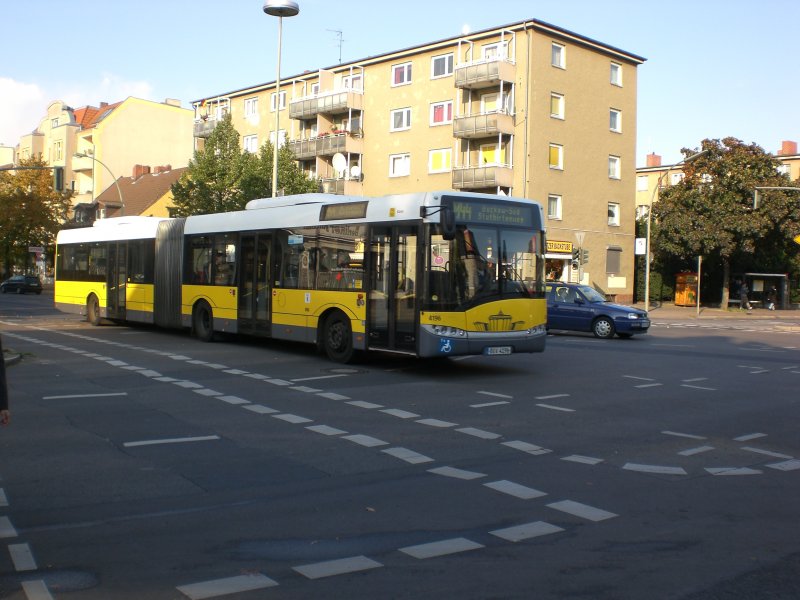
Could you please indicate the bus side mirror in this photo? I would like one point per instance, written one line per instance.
(448, 220)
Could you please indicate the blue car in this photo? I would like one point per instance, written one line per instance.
(576, 307)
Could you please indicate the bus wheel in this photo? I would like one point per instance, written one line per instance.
(203, 322)
(338, 338)
(93, 310)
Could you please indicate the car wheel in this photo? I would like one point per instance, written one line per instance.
(93, 310)
(20, 290)
(338, 338)
(203, 322)
(603, 327)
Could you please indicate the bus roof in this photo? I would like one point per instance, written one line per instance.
(115, 228)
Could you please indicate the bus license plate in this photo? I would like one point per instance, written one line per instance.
(497, 350)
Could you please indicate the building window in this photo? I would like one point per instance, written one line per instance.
(785, 170)
(492, 154)
(401, 74)
(554, 206)
(613, 260)
(314, 89)
(250, 143)
(441, 66)
(614, 167)
(556, 105)
(440, 161)
(642, 183)
(400, 119)
(498, 51)
(615, 120)
(53, 123)
(272, 101)
(556, 156)
(251, 107)
(442, 113)
(616, 74)
(641, 211)
(281, 137)
(356, 82)
(58, 151)
(675, 178)
(558, 56)
(495, 102)
(399, 165)
(613, 214)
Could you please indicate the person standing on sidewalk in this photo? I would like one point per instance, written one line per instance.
(744, 297)
(5, 415)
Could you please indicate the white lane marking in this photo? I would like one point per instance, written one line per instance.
(787, 465)
(441, 548)
(526, 531)
(189, 385)
(260, 409)
(479, 433)
(217, 366)
(7, 529)
(698, 387)
(551, 396)
(693, 451)
(165, 379)
(22, 557)
(684, 435)
(658, 469)
(456, 473)
(233, 400)
(414, 458)
(364, 404)
(207, 392)
(329, 568)
(278, 382)
(185, 440)
(196, 361)
(749, 436)
(648, 385)
(223, 587)
(326, 429)
(332, 396)
(133, 368)
(517, 490)
(637, 377)
(306, 389)
(584, 511)
(235, 372)
(485, 404)
(733, 471)
(586, 460)
(767, 452)
(695, 379)
(365, 440)
(290, 418)
(320, 377)
(526, 447)
(551, 407)
(257, 376)
(436, 423)
(494, 394)
(36, 590)
(3, 498)
(117, 363)
(67, 396)
(151, 373)
(403, 414)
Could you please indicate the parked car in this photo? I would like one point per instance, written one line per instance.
(576, 307)
(22, 284)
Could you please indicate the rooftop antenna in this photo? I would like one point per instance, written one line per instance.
(338, 33)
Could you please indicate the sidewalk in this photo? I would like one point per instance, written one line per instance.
(668, 310)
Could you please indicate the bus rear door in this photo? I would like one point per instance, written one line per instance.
(254, 284)
(117, 277)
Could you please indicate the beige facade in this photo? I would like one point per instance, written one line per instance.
(53, 140)
(526, 109)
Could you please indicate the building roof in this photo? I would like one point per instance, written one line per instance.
(139, 193)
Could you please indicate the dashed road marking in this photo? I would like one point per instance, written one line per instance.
(36, 590)
(184, 440)
(456, 473)
(436, 423)
(326, 430)
(487, 404)
(515, 489)
(226, 586)
(693, 451)
(365, 440)
(560, 408)
(411, 457)
(586, 460)
(402, 414)
(260, 409)
(290, 418)
(749, 436)
(684, 435)
(526, 447)
(584, 511)
(656, 469)
(733, 471)
(767, 452)
(479, 433)
(340, 566)
(441, 548)
(7, 530)
(526, 531)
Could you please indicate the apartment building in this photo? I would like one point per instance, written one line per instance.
(527, 109)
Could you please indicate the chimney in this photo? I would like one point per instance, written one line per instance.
(103, 104)
(139, 170)
(788, 148)
(653, 160)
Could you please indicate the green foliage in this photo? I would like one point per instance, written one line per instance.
(223, 178)
(31, 211)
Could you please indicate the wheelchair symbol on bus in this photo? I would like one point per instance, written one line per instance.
(445, 347)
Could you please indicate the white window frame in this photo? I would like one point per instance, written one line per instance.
(502, 103)
(559, 164)
(251, 107)
(496, 51)
(250, 143)
(613, 214)
(615, 74)
(554, 96)
(315, 88)
(405, 118)
(405, 69)
(281, 136)
(554, 200)
(676, 178)
(272, 101)
(498, 154)
(353, 82)
(642, 183)
(447, 160)
(400, 165)
(447, 107)
(448, 61)
(615, 120)
(558, 55)
(614, 167)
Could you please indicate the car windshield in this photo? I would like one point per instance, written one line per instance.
(592, 295)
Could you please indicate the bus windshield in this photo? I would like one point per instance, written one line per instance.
(482, 264)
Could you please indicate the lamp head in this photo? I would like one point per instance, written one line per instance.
(281, 8)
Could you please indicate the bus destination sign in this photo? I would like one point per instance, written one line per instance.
(477, 212)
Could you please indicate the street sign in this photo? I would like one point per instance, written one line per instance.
(36, 249)
(640, 247)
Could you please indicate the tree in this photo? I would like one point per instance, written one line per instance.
(222, 178)
(31, 211)
(710, 212)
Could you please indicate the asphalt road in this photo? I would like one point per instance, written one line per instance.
(144, 464)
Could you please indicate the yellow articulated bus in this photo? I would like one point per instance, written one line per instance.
(429, 274)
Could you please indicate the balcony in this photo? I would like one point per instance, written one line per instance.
(331, 103)
(204, 127)
(481, 126)
(484, 73)
(342, 186)
(470, 178)
(326, 145)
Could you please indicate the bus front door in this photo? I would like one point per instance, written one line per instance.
(392, 311)
(254, 290)
(116, 279)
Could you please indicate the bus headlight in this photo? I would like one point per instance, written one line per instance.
(446, 331)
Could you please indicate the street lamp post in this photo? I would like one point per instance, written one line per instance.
(280, 9)
(116, 183)
(688, 159)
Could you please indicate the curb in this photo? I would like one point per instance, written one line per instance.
(11, 358)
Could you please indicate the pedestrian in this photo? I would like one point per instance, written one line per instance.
(5, 415)
(772, 297)
(744, 297)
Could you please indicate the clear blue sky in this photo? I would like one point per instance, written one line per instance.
(714, 67)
